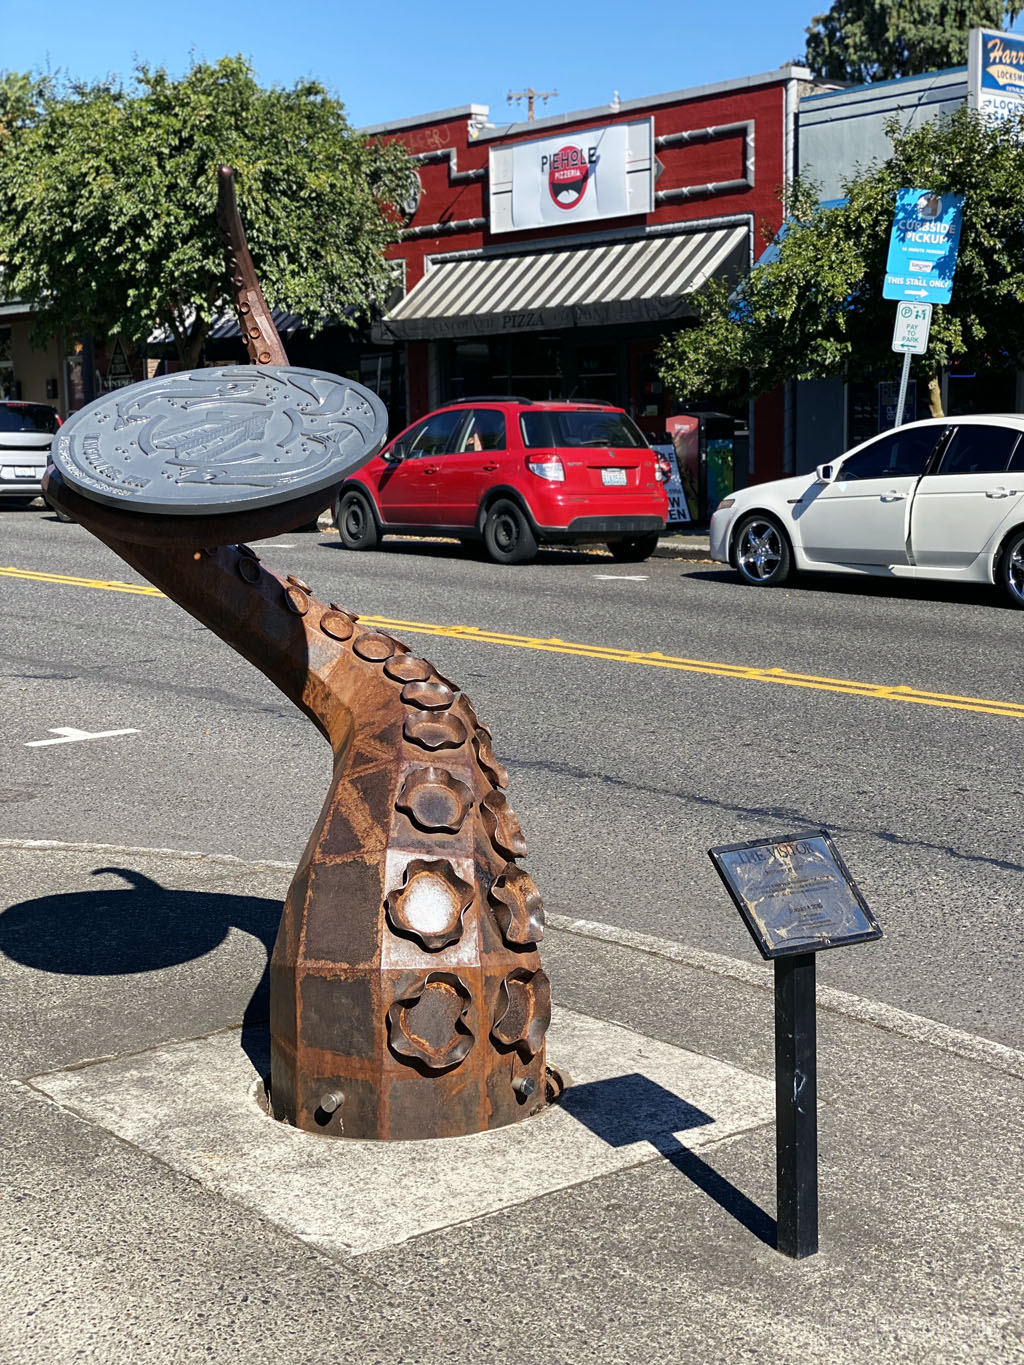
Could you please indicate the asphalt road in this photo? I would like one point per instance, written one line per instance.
(624, 769)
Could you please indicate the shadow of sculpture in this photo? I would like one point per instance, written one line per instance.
(127, 930)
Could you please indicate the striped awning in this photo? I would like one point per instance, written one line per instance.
(224, 327)
(645, 280)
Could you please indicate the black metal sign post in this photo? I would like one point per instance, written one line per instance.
(796, 898)
(796, 1107)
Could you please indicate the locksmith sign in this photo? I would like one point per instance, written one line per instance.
(923, 246)
(995, 74)
(573, 177)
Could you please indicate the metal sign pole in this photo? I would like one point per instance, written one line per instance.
(904, 378)
(796, 898)
(796, 1107)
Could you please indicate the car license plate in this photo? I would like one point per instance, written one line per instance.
(613, 476)
(22, 471)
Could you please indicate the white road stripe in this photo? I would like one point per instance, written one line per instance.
(67, 734)
(631, 577)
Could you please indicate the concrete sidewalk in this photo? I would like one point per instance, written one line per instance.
(684, 545)
(673, 545)
(149, 1211)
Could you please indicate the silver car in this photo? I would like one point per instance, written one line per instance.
(940, 499)
(26, 431)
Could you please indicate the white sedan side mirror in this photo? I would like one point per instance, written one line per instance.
(826, 473)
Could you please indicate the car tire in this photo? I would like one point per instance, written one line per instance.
(634, 550)
(508, 535)
(1010, 569)
(357, 525)
(761, 552)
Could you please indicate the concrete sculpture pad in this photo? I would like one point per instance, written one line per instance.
(193, 1106)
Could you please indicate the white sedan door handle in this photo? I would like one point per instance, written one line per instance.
(893, 495)
(997, 493)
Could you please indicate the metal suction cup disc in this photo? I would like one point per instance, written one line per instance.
(220, 440)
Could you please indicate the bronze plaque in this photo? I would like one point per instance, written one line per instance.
(795, 894)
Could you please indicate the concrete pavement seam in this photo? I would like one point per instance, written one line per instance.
(914, 1027)
(178, 1172)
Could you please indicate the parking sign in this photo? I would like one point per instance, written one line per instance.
(910, 335)
(923, 246)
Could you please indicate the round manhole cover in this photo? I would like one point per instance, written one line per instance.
(220, 440)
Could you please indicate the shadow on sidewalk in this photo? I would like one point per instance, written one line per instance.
(141, 927)
(632, 1108)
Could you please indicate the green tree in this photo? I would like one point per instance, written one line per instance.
(108, 196)
(816, 310)
(874, 40)
(21, 95)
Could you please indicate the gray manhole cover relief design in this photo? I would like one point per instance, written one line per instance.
(218, 440)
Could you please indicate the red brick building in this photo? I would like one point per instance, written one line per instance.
(550, 259)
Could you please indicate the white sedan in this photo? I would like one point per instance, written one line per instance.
(938, 499)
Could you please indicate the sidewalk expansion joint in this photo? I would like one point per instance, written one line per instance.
(871, 1013)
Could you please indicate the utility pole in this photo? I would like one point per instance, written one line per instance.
(529, 95)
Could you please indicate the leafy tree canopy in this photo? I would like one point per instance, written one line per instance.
(874, 40)
(816, 310)
(108, 196)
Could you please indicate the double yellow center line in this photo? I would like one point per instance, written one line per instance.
(647, 658)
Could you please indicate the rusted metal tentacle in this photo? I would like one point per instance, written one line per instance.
(261, 336)
(407, 998)
(406, 983)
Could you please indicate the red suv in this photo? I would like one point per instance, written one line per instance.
(515, 474)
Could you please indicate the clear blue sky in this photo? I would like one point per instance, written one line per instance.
(397, 58)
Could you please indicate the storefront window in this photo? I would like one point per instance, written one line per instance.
(535, 366)
(871, 407)
(472, 370)
(988, 391)
(597, 373)
(526, 364)
(384, 373)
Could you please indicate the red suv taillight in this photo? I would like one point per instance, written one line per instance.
(546, 466)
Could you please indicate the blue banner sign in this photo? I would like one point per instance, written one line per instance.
(923, 245)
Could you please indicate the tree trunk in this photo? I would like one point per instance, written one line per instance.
(935, 397)
(189, 353)
(188, 341)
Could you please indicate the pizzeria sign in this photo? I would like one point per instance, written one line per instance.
(573, 177)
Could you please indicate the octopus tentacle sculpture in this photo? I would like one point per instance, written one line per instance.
(407, 997)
